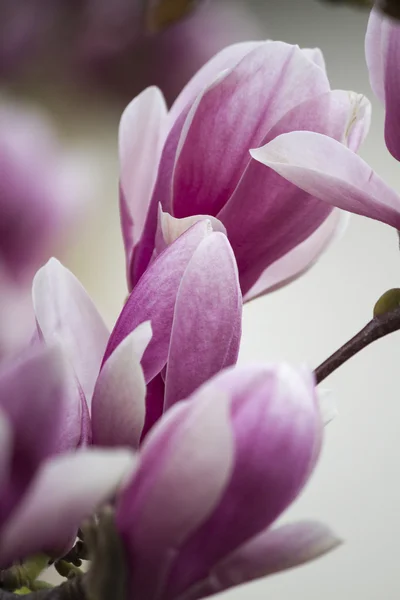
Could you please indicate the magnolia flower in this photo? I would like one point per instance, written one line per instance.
(46, 488)
(195, 160)
(180, 326)
(330, 171)
(213, 476)
(41, 195)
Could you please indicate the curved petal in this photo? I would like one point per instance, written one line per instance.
(169, 228)
(141, 134)
(315, 54)
(207, 318)
(270, 552)
(66, 314)
(32, 398)
(213, 149)
(382, 49)
(184, 467)
(331, 172)
(118, 406)
(153, 299)
(299, 260)
(66, 490)
(275, 216)
(277, 431)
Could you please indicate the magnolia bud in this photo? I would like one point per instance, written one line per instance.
(389, 301)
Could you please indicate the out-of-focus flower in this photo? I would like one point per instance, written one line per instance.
(382, 48)
(190, 296)
(124, 46)
(249, 434)
(41, 196)
(46, 491)
(321, 166)
(195, 159)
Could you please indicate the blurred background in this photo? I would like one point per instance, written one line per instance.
(82, 83)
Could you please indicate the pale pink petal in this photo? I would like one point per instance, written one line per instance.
(118, 406)
(184, 467)
(315, 54)
(270, 552)
(213, 150)
(169, 228)
(66, 314)
(207, 318)
(153, 299)
(299, 260)
(141, 134)
(66, 490)
(382, 48)
(328, 170)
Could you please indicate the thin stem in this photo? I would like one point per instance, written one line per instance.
(377, 328)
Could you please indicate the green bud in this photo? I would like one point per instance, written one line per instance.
(22, 591)
(24, 574)
(388, 302)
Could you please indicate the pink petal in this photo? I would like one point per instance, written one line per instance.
(66, 314)
(213, 150)
(277, 431)
(227, 58)
(184, 467)
(382, 48)
(67, 489)
(328, 170)
(33, 399)
(207, 319)
(316, 56)
(118, 406)
(299, 260)
(169, 228)
(153, 299)
(270, 552)
(141, 135)
(275, 216)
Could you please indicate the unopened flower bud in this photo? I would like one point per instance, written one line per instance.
(389, 301)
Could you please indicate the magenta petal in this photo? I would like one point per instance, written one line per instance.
(65, 314)
(184, 467)
(153, 299)
(225, 59)
(141, 135)
(33, 400)
(118, 406)
(213, 150)
(382, 48)
(270, 552)
(328, 170)
(297, 262)
(277, 430)
(206, 329)
(67, 489)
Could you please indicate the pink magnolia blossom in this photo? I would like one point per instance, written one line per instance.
(194, 160)
(46, 487)
(213, 476)
(180, 326)
(41, 196)
(330, 171)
